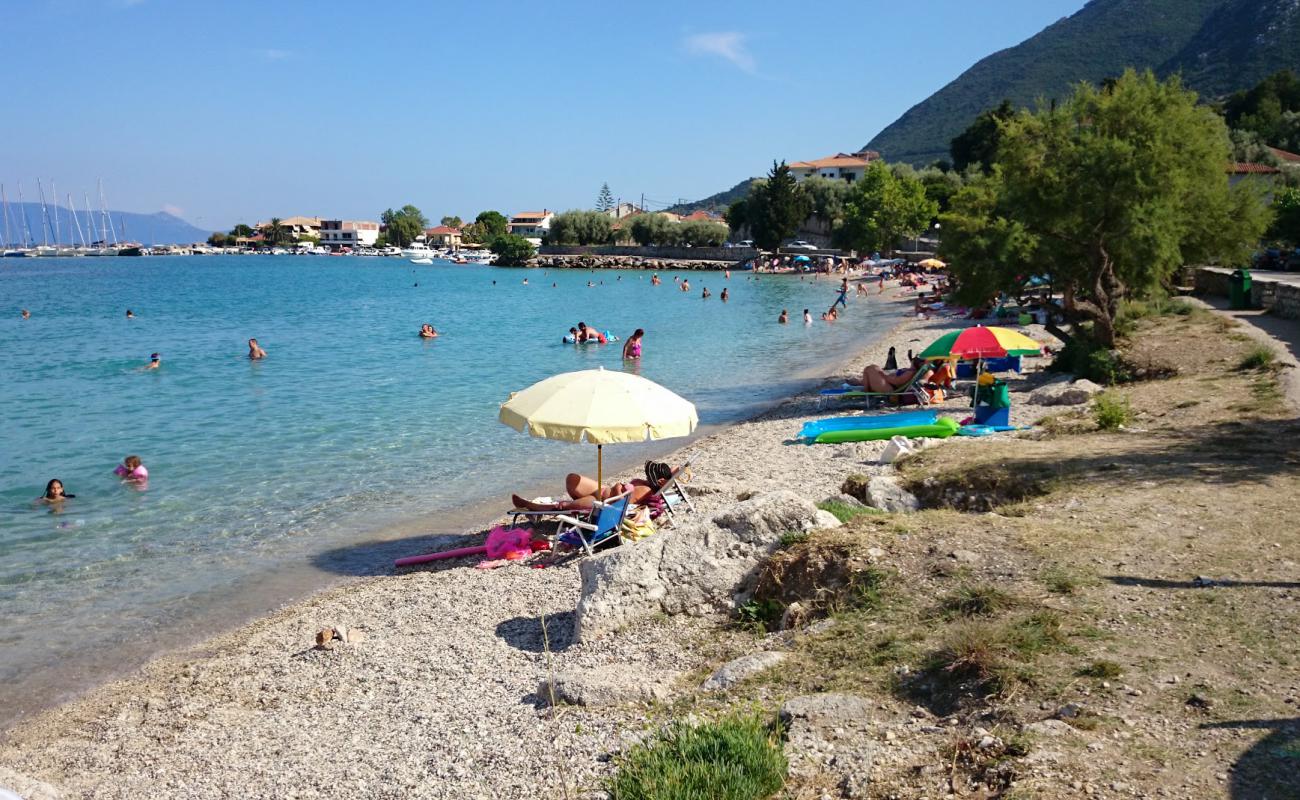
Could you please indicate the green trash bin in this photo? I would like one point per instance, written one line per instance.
(1239, 289)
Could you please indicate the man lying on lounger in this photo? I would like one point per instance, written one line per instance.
(585, 492)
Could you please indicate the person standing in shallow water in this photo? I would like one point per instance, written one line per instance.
(632, 347)
(784, 318)
(255, 351)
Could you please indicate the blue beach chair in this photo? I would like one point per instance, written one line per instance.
(589, 535)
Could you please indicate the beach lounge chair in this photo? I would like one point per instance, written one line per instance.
(602, 527)
(911, 392)
(672, 492)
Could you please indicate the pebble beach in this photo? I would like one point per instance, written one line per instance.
(438, 695)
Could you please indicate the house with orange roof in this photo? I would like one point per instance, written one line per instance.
(531, 224)
(296, 227)
(847, 167)
(1288, 160)
(704, 216)
(442, 236)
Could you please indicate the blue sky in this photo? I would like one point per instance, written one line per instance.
(239, 110)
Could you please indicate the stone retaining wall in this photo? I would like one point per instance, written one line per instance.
(626, 262)
(1276, 297)
(727, 254)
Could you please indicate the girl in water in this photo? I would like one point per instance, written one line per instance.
(54, 494)
(427, 331)
(632, 348)
(132, 470)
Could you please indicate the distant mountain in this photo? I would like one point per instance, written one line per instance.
(159, 228)
(715, 202)
(1095, 43)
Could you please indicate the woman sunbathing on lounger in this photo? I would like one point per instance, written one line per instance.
(585, 491)
(875, 379)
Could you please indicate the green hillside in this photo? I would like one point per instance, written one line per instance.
(715, 202)
(1097, 42)
(1240, 44)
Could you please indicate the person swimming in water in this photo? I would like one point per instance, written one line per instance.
(155, 361)
(54, 493)
(26, 314)
(807, 317)
(586, 334)
(706, 294)
(427, 331)
(723, 297)
(255, 351)
(632, 347)
(130, 314)
(784, 318)
(685, 285)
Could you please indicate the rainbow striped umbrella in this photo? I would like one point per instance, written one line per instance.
(980, 342)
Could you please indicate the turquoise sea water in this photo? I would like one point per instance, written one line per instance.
(352, 423)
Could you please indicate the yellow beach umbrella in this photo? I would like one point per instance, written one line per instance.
(600, 408)
(932, 263)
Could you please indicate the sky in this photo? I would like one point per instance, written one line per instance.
(238, 110)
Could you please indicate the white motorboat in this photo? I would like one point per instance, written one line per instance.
(477, 256)
(425, 260)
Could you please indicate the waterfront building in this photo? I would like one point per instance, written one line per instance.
(295, 227)
(532, 225)
(443, 236)
(339, 233)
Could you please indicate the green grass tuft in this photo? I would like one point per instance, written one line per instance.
(1101, 670)
(1261, 356)
(792, 538)
(1111, 410)
(845, 511)
(735, 758)
(1060, 580)
(976, 601)
(761, 614)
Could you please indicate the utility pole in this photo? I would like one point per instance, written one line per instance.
(643, 201)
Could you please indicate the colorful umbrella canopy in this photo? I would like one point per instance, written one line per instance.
(599, 407)
(932, 263)
(980, 342)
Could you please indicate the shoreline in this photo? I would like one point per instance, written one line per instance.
(369, 555)
(445, 681)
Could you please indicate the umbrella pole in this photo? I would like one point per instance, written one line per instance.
(600, 478)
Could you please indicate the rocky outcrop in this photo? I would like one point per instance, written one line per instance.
(610, 685)
(887, 494)
(1064, 393)
(735, 671)
(700, 566)
(630, 262)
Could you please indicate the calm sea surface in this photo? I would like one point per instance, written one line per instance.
(351, 426)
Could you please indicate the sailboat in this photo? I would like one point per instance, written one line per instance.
(44, 250)
(9, 251)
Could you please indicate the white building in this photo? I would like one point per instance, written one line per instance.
(531, 224)
(847, 167)
(339, 233)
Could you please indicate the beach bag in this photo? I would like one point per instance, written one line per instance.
(637, 525)
(513, 544)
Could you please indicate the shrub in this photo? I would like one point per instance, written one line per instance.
(1060, 580)
(1111, 411)
(761, 614)
(580, 227)
(1084, 358)
(735, 758)
(511, 250)
(1260, 357)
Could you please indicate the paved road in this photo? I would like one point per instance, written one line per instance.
(1278, 276)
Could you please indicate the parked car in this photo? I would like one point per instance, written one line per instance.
(800, 244)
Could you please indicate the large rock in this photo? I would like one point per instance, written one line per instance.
(887, 494)
(698, 567)
(610, 685)
(1061, 393)
(829, 734)
(767, 516)
(733, 672)
(25, 787)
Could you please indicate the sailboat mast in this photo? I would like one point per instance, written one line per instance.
(27, 228)
(54, 198)
(72, 208)
(90, 217)
(45, 215)
(5, 202)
